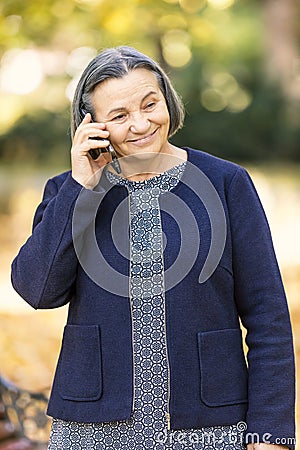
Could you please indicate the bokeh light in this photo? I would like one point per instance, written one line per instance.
(223, 92)
(192, 6)
(239, 100)
(176, 48)
(171, 21)
(21, 71)
(12, 24)
(77, 59)
(220, 4)
(89, 2)
(11, 109)
(213, 100)
(202, 30)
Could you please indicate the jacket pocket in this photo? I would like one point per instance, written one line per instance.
(223, 368)
(80, 371)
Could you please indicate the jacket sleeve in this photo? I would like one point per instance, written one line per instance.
(44, 270)
(263, 310)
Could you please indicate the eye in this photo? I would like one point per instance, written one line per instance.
(150, 105)
(119, 117)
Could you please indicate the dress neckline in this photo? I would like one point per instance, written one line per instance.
(169, 178)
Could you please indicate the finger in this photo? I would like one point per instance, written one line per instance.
(92, 129)
(96, 133)
(87, 118)
(88, 134)
(90, 144)
(97, 143)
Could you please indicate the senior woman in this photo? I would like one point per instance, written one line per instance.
(160, 253)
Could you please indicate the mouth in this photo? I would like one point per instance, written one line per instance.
(144, 139)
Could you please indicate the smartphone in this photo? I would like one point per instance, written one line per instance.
(95, 152)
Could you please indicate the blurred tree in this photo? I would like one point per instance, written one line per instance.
(282, 67)
(282, 58)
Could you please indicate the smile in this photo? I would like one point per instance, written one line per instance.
(143, 140)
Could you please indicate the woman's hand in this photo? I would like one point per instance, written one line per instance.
(261, 446)
(85, 170)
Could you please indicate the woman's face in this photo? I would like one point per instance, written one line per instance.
(135, 113)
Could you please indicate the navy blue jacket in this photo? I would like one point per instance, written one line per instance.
(210, 381)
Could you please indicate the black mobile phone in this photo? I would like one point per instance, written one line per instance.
(95, 152)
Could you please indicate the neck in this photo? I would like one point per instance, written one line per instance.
(147, 165)
(142, 176)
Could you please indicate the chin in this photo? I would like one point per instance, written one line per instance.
(145, 154)
(139, 161)
(142, 154)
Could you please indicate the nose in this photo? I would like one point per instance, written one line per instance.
(139, 123)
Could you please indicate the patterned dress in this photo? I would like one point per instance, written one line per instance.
(147, 429)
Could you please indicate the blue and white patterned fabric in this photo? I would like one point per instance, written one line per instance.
(147, 429)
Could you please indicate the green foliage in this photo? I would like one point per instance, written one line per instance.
(42, 139)
(261, 132)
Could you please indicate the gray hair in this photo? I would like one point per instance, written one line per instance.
(115, 63)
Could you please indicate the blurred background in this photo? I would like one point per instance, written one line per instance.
(236, 64)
